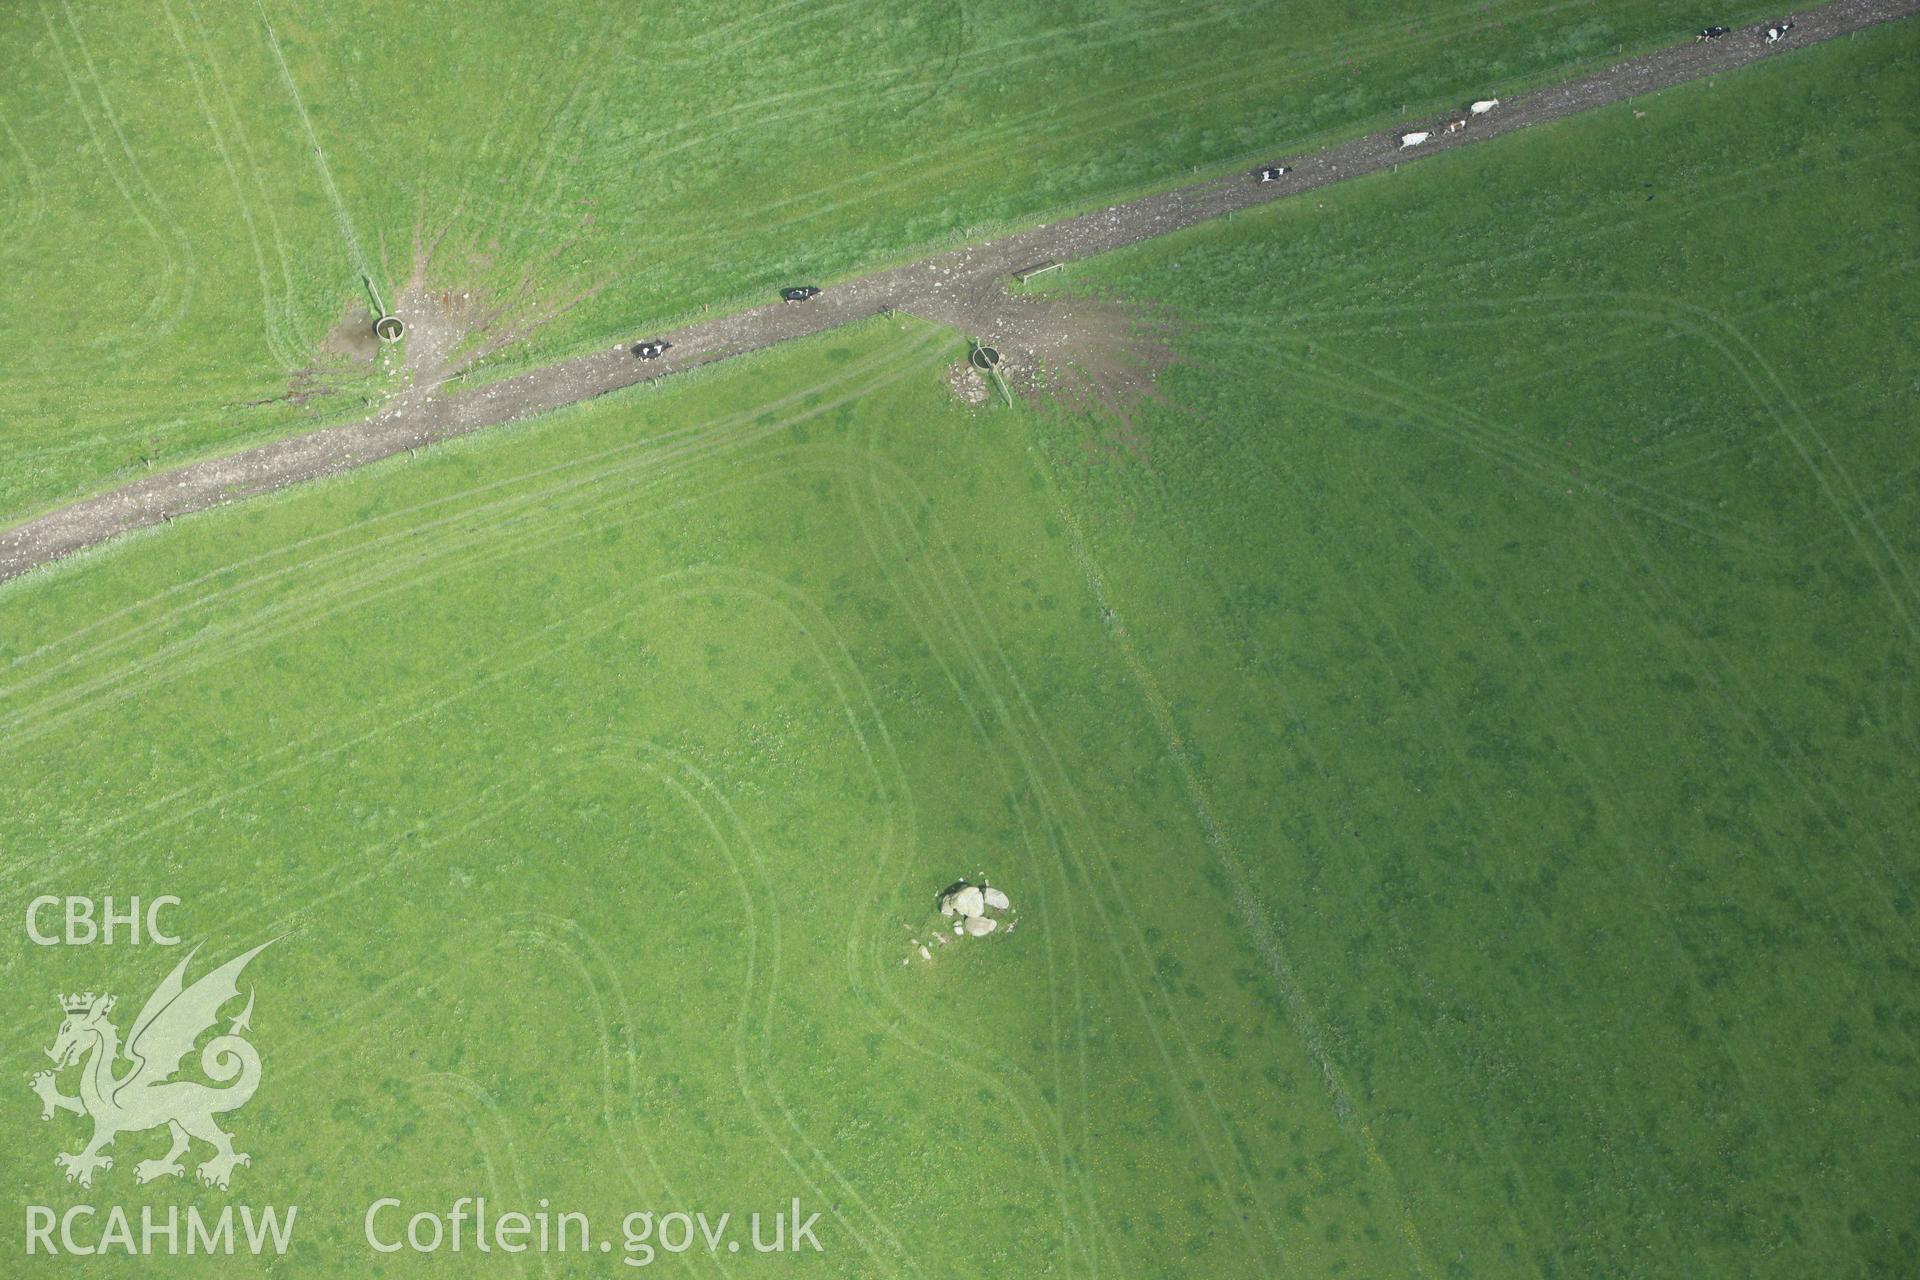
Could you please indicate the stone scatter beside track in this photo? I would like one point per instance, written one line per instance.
(964, 288)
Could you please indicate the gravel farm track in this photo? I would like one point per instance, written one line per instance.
(964, 288)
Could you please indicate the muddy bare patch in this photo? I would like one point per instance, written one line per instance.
(345, 354)
(308, 384)
(352, 338)
(1101, 356)
(453, 326)
(446, 328)
(1107, 359)
(968, 384)
(303, 385)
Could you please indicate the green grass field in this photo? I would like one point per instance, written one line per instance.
(1455, 760)
(190, 193)
(1545, 536)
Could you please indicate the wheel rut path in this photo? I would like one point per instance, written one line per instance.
(965, 288)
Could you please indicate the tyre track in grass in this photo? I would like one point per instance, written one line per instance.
(26, 199)
(963, 285)
(168, 306)
(886, 513)
(283, 351)
(343, 219)
(348, 560)
(1262, 931)
(300, 756)
(955, 611)
(870, 969)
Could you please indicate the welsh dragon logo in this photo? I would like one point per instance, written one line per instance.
(146, 1096)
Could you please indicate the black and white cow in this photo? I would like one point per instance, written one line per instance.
(1778, 31)
(652, 349)
(1272, 172)
(1711, 33)
(800, 293)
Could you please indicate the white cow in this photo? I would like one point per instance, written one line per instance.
(1483, 106)
(1413, 139)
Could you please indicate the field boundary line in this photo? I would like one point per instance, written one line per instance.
(342, 218)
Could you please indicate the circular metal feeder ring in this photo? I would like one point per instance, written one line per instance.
(984, 357)
(389, 328)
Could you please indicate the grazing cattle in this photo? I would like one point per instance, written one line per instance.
(1483, 106)
(651, 350)
(1413, 139)
(799, 294)
(1711, 33)
(1455, 126)
(1272, 173)
(1778, 31)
